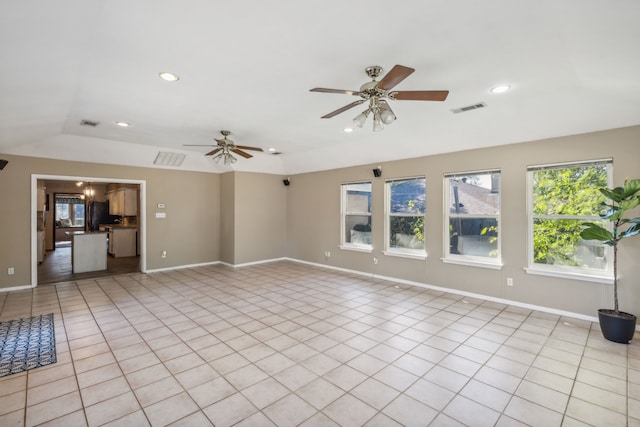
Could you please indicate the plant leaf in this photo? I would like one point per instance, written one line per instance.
(611, 214)
(614, 194)
(631, 231)
(631, 188)
(628, 204)
(596, 232)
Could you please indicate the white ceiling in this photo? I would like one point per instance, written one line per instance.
(248, 65)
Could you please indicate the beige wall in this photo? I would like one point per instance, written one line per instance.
(190, 234)
(314, 221)
(260, 218)
(253, 219)
(242, 217)
(227, 218)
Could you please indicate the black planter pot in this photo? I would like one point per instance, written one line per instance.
(617, 327)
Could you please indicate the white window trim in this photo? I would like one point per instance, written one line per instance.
(563, 271)
(402, 252)
(358, 247)
(597, 278)
(474, 261)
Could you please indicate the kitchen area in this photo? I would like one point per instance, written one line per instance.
(87, 230)
(122, 231)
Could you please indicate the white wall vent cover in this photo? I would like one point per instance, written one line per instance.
(469, 108)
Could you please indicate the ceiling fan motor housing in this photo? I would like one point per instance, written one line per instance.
(377, 92)
(373, 71)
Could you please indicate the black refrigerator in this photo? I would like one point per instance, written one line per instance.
(98, 213)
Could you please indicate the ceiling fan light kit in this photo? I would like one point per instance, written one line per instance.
(377, 93)
(225, 147)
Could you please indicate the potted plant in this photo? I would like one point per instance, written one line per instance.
(616, 325)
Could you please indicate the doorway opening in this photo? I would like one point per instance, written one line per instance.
(68, 209)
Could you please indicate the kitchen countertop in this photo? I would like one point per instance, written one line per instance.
(77, 233)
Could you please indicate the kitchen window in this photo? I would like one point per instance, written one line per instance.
(70, 210)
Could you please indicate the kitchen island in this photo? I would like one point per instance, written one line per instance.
(123, 239)
(88, 251)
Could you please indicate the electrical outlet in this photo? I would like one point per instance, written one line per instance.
(375, 259)
(509, 281)
(10, 271)
(327, 254)
(164, 254)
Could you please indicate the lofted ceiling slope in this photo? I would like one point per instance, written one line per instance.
(248, 66)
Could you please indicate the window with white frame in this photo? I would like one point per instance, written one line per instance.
(405, 213)
(69, 210)
(356, 215)
(561, 198)
(472, 217)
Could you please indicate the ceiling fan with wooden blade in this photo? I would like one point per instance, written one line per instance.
(225, 147)
(378, 92)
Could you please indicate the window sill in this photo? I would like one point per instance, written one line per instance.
(367, 249)
(569, 275)
(422, 256)
(471, 263)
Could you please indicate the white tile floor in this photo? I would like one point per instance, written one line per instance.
(286, 344)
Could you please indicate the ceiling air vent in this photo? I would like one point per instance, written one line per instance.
(89, 123)
(469, 108)
(276, 153)
(165, 158)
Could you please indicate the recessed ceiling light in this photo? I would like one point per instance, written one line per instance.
(272, 149)
(500, 89)
(170, 77)
(123, 124)
(348, 130)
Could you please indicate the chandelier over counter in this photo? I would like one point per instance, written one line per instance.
(89, 193)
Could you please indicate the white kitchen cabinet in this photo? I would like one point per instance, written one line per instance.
(130, 197)
(123, 242)
(114, 206)
(41, 199)
(123, 202)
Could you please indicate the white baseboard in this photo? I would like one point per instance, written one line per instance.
(375, 276)
(181, 267)
(247, 264)
(17, 288)
(459, 292)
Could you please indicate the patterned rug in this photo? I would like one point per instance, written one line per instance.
(26, 344)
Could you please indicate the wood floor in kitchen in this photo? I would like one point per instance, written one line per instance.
(56, 267)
